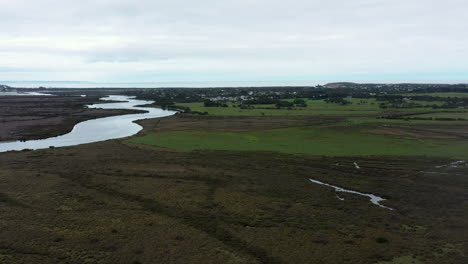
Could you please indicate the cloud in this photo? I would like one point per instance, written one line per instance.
(259, 39)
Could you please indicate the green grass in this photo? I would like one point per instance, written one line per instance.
(371, 120)
(440, 94)
(236, 111)
(308, 140)
(314, 107)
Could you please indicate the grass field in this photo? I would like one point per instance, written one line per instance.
(341, 141)
(314, 107)
(371, 120)
(464, 95)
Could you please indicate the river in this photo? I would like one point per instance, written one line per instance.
(99, 129)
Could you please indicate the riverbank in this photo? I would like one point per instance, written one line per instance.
(39, 117)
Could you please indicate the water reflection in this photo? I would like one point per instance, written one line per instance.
(97, 129)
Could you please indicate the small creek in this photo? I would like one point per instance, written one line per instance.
(373, 198)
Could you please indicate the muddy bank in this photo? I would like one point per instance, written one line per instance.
(38, 117)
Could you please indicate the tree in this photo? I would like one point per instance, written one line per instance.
(284, 104)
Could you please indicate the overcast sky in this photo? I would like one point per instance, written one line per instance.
(218, 40)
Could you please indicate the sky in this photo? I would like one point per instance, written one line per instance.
(241, 40)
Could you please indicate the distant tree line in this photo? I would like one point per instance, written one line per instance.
(335, 93)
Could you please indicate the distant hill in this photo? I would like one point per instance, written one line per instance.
(5, 88)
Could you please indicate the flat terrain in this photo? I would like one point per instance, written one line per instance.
(456, 115)
(358, 107)
(310, 135)
(228, 188)
(461, 95)
(116, 202)
(36, 117)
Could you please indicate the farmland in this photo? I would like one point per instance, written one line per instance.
(314, 107)
(341, 140)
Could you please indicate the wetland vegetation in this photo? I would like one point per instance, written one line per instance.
(234, 187)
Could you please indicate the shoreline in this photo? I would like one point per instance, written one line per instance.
(31, 117)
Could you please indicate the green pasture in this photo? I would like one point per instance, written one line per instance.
(314, 107)
(463, 95)
(344, 141)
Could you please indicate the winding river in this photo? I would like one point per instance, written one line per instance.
(97, 129)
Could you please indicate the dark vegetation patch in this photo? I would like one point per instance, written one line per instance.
(215, 206)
